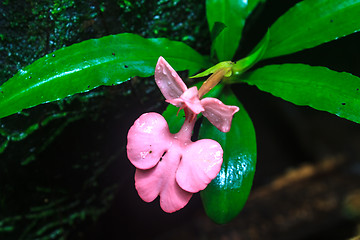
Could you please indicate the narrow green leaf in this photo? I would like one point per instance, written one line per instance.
(81, 67)
(226, 64)
(317, 87)
(311, 23)
(226, 195)
(232, 13)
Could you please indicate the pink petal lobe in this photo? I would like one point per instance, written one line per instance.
(219, 114)
(148, 139)
(200, 163)
(167, 79)
(160, 180)
(177, 102)
(148, 183)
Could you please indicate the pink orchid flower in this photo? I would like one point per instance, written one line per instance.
(171, 165)
(175, 91)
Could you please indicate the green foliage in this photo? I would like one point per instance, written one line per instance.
(232, 14)
(311, 23)
(81, 67)
(317, 87)
(226, 195)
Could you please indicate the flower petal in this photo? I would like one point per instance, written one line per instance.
(177, 102)
(190, 99)
(160, 180)
(167, 79)
(148, 139)
(200, 163)
(219, 114)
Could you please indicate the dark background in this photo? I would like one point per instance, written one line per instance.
(71, 179)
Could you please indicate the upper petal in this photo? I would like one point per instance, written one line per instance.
(219, 114)
(148, 139)
(200, 163)
(167, 79)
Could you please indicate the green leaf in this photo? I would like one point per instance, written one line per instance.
(217, 29)
(226, 195)
(311, 23)
(232, 13)
(255, 56)
(81, 67)
(317, 87)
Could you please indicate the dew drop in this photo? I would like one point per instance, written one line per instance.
(21, 71)
(143, 154)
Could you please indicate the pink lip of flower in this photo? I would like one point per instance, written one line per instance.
(170, 165)
(176, 93)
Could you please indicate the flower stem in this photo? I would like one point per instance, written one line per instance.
(186, 130)
(213, 80)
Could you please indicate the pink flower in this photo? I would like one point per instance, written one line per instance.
(176, 93)
(171, 165)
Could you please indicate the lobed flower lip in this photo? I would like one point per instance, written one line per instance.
(170, 165)
(176, 93)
